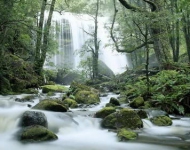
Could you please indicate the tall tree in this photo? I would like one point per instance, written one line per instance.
(43, 36)
(157, 27)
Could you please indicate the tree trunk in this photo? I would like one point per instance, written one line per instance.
(96, 44)
(39, 39)
(43, 33)
(186, 30)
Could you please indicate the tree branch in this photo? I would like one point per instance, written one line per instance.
(137, 9)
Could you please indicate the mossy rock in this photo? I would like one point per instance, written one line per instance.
(109, 105)
(75, 87)
(125, 118)
(105, 112)
(161, 121)
(142, 114)
(87, 97)
(70, 103)
(54, 88)
(36, 133)
(51, 105)
(114, 101)
(137, 102)
(125, 134)
(17, 75)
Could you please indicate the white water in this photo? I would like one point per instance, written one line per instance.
(117, 62)
(74, 131)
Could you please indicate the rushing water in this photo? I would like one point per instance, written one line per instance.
(77, 130)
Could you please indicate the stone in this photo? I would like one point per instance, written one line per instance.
(161, 121)
(51, 105)
(70, 103)
(105, 112)
(36, 133)
(125, 118)
(29, 118)
(87, 97)
(125, 134)
(137, 102)
(114, 101)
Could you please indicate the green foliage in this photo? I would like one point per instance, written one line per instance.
(168, 90)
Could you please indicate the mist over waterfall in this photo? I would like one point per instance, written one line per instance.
(72, 31)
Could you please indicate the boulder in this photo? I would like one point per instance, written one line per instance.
(17, 75)
(36, 133)
(125, 118)
(87, 97)
(54, 88)
(70, 103)
(105, 70)
(29, 118)
(114, 101)
(125, 134)
(161, 121)
(137, 102)
(51, 105)
(105, 112)
(142, 114)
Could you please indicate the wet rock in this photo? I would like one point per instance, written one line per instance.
(54, 88)
(105, 112)
(142, 114)
(70, 103)
(161, 121)
(125, 134)
(33, 118)
(114, 101)
(125, 118)
(51, 105)
(87, 97)
(137, 102)
(36, 133)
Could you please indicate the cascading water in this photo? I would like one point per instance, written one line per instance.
(78, 131)
(73, 32)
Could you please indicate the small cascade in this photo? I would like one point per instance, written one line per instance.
(72, 31)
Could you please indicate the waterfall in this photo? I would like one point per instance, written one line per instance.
(71, 35)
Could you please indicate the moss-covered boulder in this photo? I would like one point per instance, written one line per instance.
(36, 133)
(114, 101)
(51, 105)
(125, 118)
(17, 75)
(105, 112)
(54, 88)
(70, 103)
(125, 134)
(87, 97)
(109, 105)
(142, 114)
(137, 102)
(161, 121)
(29, 118)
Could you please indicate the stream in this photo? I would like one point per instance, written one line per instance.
(78, 130)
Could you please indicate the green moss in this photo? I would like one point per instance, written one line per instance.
(37, 133)
(142, 114)
(125, 135)
(105, 112)
(114, 101)
(87, 97)
(137, 102)
(70, 103)
(125, 118)
(54, 88)
(51, 105)
(161, 121)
